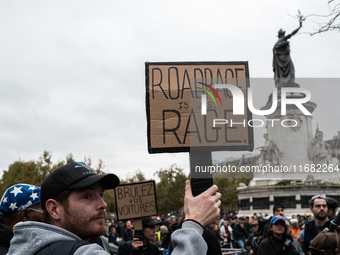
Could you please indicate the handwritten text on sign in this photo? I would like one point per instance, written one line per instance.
(136, 200)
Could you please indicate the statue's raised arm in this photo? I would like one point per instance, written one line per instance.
(283, 67)
(294, 32)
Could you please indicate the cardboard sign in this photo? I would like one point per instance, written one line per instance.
(176, 123)
(135, 200)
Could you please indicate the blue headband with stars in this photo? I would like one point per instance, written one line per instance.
(19, 197)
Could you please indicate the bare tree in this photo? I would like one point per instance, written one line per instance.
(326, 22)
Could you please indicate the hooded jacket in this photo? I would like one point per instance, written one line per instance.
(30, 237)
(5, 238)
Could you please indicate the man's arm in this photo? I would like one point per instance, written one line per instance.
(203, 208)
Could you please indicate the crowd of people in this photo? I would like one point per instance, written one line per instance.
(67, 215)
(255, 234)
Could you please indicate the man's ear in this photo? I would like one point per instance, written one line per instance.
(54, 208)
(24, 215)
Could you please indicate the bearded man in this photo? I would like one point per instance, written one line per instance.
(318, 206)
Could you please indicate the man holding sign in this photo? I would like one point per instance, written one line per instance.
(74, 211)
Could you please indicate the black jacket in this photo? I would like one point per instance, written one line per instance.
(210, 237)
(150, 249)
(273, 246)
(239, 232)
(248, 243)
(5, 238)
(311, 232)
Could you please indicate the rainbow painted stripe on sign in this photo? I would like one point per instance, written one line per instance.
(213, 90)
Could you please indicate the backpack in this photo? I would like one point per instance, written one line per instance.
(62, 248)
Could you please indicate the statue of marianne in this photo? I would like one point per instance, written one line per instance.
(284, 73)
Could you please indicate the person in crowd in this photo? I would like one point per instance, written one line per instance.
(234, 221)
(276, 242)
(301, 237)
(220, 220)
(19, 203)
(335, 225)
(240, 234)
(217, 232)
(291, 238)
(309, 218)
(119, 228)
(145, 247)
(247, 225)
(324, 243)
(157, 233)
(318, 206)
(166, 237)
(113, 235)
(128, 232)
(332, 205)
(168, 222)
(255, 217)
(173, 219)
(255, 233)
(226, 232)
(295, 228)
(162, 233)
(278, 209)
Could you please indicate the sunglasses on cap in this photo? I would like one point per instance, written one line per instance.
(315, 251)
(318, 196)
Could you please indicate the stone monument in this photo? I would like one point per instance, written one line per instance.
(292, 147)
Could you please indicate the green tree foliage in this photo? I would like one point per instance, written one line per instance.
(31, 172)
(137, 177)
(170, 189)
(227, 185)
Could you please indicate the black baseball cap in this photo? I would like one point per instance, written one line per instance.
(332, 203)
(75, 175)
(277, 206)
(149, 222)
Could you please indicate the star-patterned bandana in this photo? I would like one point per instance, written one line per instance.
(19, 197)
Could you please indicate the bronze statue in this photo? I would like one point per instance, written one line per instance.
(284, 73)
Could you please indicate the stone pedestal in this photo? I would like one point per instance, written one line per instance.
(292, 134)
(294, 196)
(293, 142)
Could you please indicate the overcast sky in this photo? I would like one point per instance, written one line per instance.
(72, 74)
